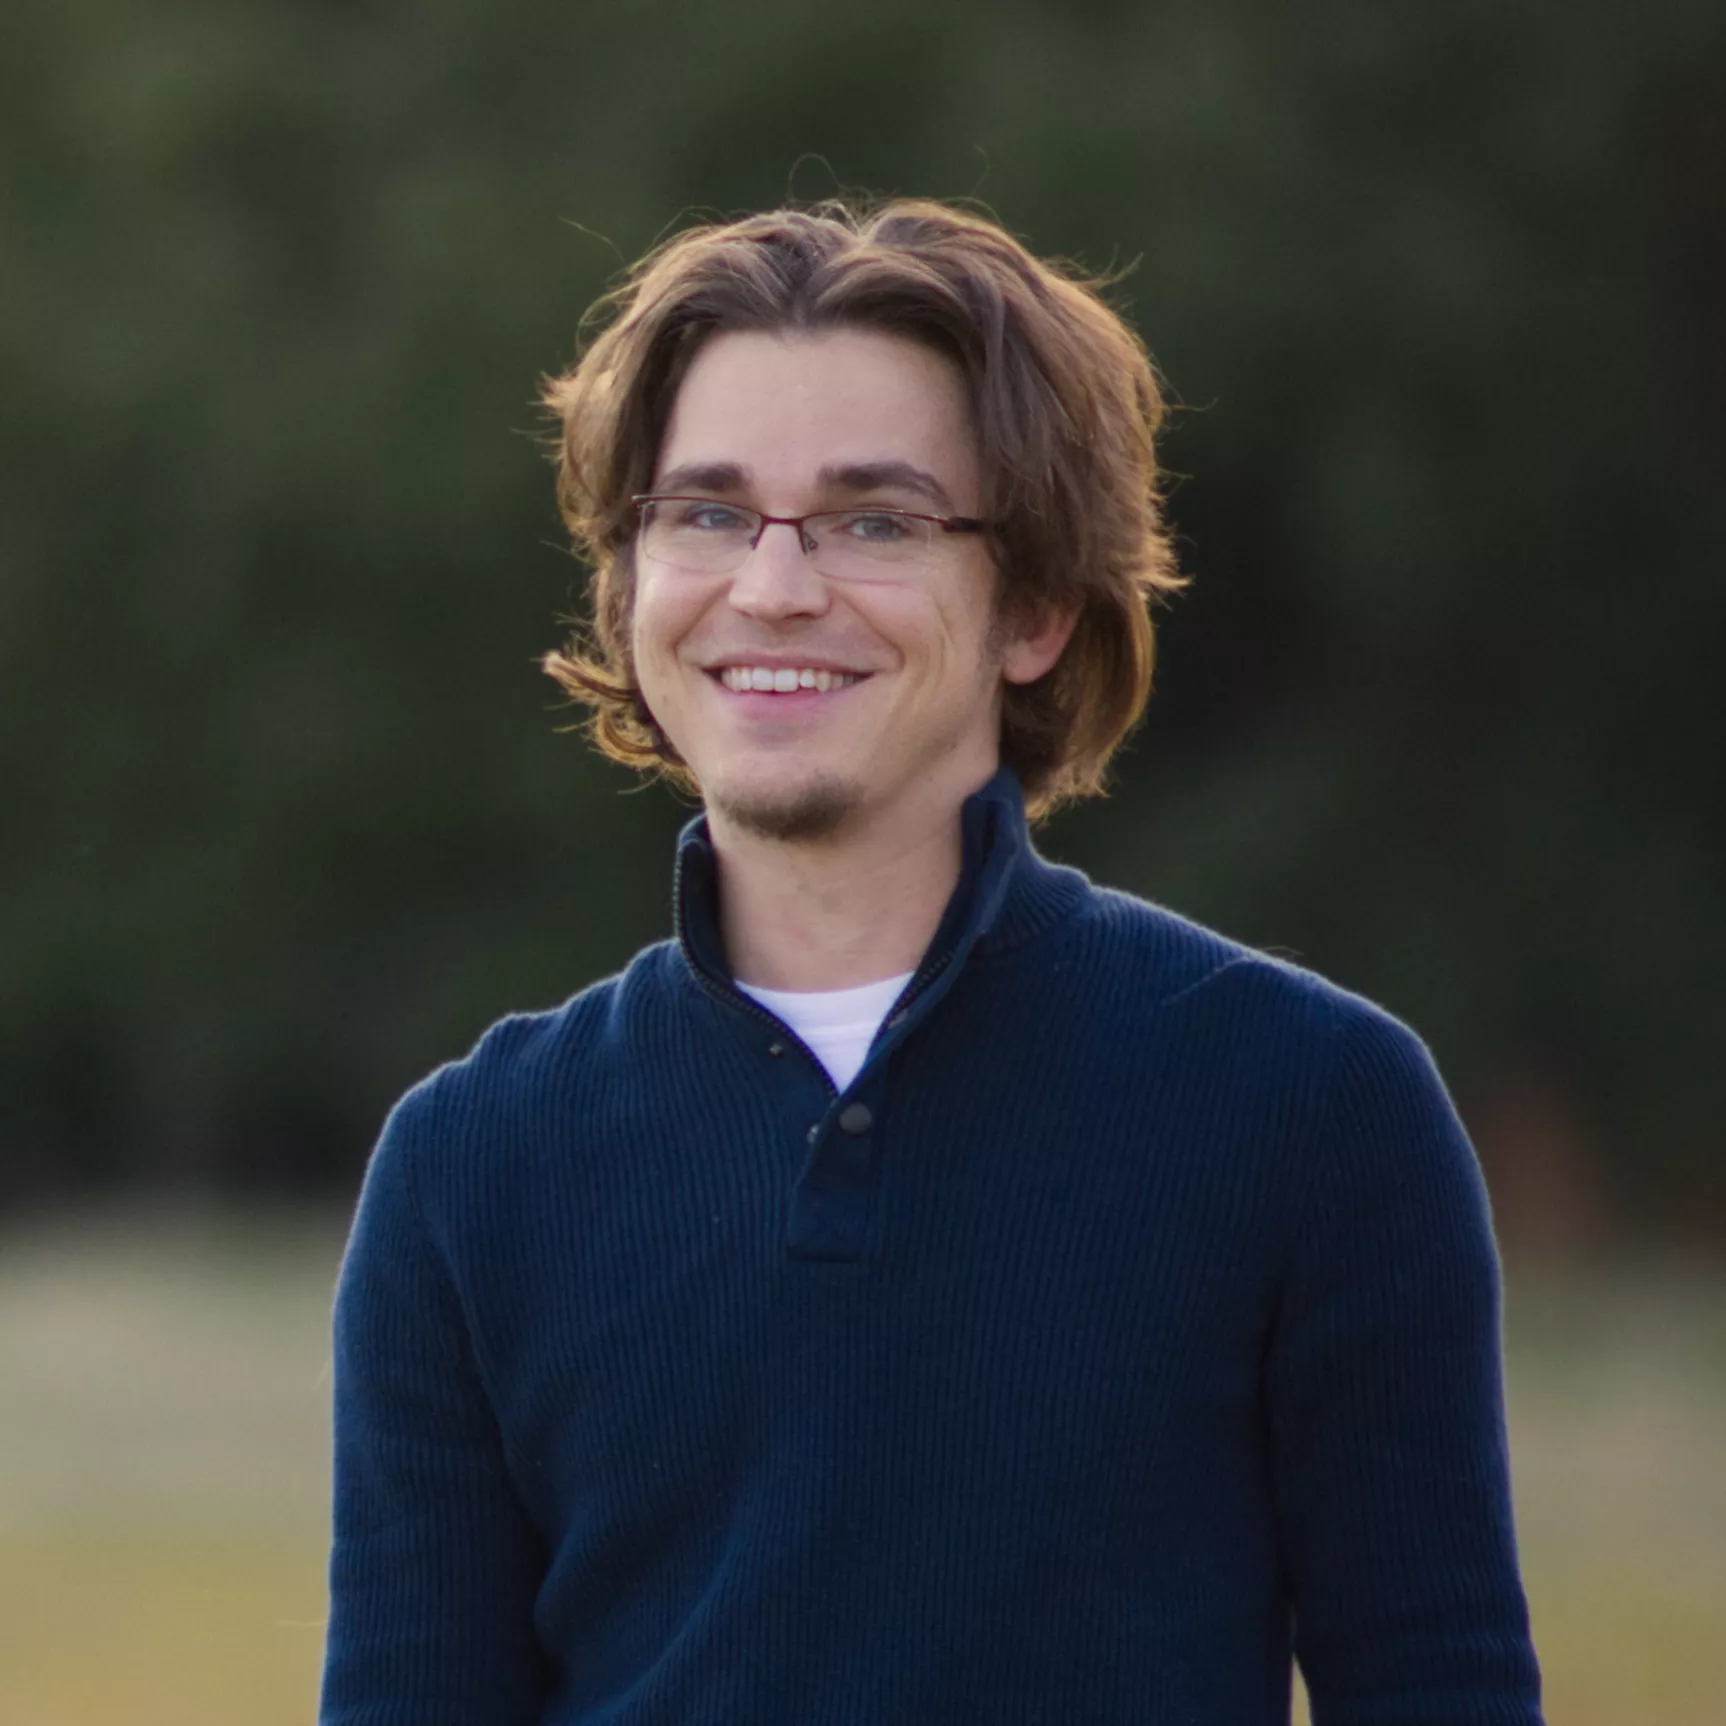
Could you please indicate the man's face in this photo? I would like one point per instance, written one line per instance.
(789, 424)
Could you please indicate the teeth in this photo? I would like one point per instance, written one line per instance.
(782, 680)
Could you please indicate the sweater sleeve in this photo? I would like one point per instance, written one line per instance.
(434, 1567)
(1386, 1419)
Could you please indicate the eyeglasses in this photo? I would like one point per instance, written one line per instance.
(703, 536)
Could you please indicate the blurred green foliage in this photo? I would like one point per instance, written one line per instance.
(286, 817)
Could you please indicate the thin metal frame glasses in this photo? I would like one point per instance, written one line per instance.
(703, 535)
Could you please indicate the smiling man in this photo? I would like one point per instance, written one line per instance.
(930, 1289)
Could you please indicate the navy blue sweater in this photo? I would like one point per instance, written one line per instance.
(1129, 1324)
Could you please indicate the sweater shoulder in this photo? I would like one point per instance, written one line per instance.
(1185, 962)
(529, 1064)
(1358, 1100)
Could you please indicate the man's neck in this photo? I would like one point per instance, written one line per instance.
(837, 913)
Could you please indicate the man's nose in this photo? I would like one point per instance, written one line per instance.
(776, 578)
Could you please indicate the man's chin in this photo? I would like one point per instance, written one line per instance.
(793, 814)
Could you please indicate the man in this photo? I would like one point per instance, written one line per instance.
(931, 1289)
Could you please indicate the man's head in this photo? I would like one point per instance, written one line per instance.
(914, 359)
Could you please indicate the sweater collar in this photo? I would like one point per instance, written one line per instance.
(1006, 892)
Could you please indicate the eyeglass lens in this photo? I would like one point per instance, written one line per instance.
(693, 534)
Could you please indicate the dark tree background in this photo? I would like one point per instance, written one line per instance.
(286, 817)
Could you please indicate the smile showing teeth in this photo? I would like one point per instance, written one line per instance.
(782, 680)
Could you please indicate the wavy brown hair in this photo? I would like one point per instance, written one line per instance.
(1063, 396)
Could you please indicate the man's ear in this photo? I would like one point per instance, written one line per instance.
(1030, 646)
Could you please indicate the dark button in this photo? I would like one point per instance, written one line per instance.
(855, 1119)
(776, 1049)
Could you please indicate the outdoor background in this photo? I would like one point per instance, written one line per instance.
(286, 817)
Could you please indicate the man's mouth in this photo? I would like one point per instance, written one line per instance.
(784, 679)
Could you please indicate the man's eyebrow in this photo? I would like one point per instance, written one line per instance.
(884, 476)
(704, 476)
(723, 477)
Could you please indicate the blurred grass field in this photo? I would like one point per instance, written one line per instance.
(163, 1476)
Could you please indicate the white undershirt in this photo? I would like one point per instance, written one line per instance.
(837, 1024)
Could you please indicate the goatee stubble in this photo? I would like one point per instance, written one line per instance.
(809, 812)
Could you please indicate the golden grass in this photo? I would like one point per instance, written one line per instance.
(163, 1479)
(158, 1628)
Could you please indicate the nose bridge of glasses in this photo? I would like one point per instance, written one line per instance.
(778, 579)
(806, 541)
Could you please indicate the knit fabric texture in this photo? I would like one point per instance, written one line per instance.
(1127, 1327)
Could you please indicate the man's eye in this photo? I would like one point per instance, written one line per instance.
(878, 527)
(710, 518)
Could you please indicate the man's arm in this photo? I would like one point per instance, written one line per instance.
(434, 1567)
(1386, 1410)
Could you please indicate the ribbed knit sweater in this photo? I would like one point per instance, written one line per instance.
(1128, 1325)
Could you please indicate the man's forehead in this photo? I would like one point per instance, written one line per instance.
(841, 413)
